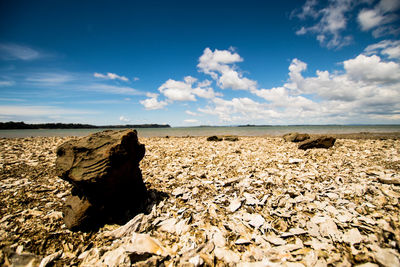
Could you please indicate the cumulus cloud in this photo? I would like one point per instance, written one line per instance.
(111, 76)
(364, 76)
(280, 97)
(218, 64)
(372, 69)
(186, 90)
(152, 103)
(212, 62)
(18, 52)
(238, 109)
(366, 89)
(178, 90)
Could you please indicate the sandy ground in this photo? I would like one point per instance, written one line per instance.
(258, 200)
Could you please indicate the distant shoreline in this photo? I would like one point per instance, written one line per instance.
(60, 126)
(357, 132)
(25, 126)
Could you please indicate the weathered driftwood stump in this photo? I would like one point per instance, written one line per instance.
(107, 182)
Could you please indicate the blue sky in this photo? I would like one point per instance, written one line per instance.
(189, 63)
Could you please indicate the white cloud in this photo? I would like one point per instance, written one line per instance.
(136, 79)
(178, 90)
(99, 102)
(308, 10)
(238, 109)
(184, 90)
(385, 47)
(366, 89)
(333, 17)
(205, 83)
(372, 69)
(152, 95)
(14, 51)
(12, 99)
(207, 92)
(234, 80)
(218, 65)
(49, 78)
(379, 16)
(191, 121)
(191, 113)
(389, 5)
(124, 119)
(32, 111)
(301, 31)
(110, 89)
(280, 97)
(364, 76)
(332, 22)
(369, 18)
(6, 83)
(111, 76)
(153, 103)
(210, 61)
(190, 80)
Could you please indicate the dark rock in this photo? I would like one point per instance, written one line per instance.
(104, 170)
(295, 137)
(231, 138)
(318, 142)
(214, 138)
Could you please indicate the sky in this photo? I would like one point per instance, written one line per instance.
(188, 63)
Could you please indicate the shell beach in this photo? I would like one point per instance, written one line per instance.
(258, 201)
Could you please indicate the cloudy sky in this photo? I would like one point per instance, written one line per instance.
(200, 62)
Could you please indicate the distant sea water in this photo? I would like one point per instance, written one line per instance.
(210, 130)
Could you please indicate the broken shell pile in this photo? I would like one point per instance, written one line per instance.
(259, 201)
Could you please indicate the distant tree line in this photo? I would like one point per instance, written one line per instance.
(21, 125)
